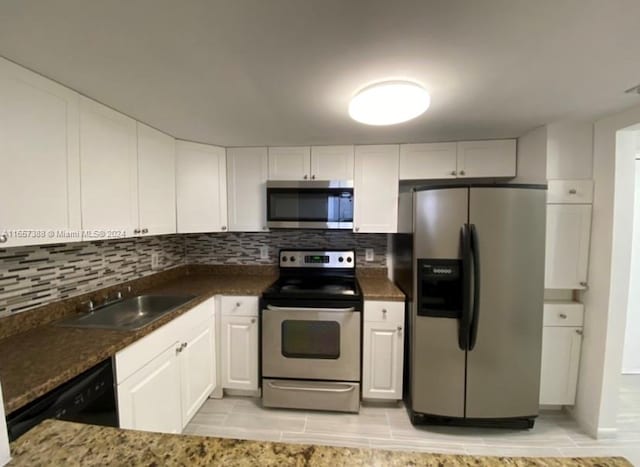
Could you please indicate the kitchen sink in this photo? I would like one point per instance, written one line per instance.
(128, 314)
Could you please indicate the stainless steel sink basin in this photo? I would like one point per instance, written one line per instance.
(128, 314)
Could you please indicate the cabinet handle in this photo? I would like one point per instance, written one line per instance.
(462, 172)
(136, 231)
(563, 316)
(357, 229)
(224, 227)
(3, 238)
(184, 345)
(579, 332)
(399, 328)
(384, 310)
(238, 304)
(178, 349)
(453, 172)
(573, 191)
(306, 176)
(145, 230)
(584, 284)
(313, 177)
(253, 320)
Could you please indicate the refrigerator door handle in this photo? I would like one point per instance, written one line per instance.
(465, 318)
(475, 316)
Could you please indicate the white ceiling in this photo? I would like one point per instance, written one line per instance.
(256, 72)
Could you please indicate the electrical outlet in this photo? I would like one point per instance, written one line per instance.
(264, 252)
(368, 254)
(155, 261)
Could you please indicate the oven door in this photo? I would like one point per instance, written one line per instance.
(313, 205)
(311, 343)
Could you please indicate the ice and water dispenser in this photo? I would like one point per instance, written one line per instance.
(440, 288)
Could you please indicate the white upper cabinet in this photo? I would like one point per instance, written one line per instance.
(156, 181)
(109, 169)
(247, 172)
(201, 187)
(567, 251)
(40, 174)
(491, 158)
(428, 161)
(332, 162)
(376, 188)
(290, 163)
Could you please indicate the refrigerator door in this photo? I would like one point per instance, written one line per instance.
(437, 363)
(503, 368)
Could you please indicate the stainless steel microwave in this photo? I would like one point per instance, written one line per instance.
(310, 204)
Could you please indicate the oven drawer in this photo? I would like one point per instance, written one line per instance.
(314, 395)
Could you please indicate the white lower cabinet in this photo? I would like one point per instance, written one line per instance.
(561, 343)
(164, 378)
(383, 350)
(150, 399)
(239, 343)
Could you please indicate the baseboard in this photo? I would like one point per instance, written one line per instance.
(631, 372)
(242, 393)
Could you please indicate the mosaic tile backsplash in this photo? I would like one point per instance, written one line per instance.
(34, 276)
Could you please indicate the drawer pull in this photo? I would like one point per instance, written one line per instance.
(584, 284)
(238, 304)
(579, 332)
(573, 191)
(399, 328)
(453, 172)
(563, 316)
(303, 388)
(253, 320)
(384, 311)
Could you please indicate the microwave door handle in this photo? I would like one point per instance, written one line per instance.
(298, 308)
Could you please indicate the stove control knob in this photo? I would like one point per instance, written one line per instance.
(292, 258)
(349, 260)
(341, 259)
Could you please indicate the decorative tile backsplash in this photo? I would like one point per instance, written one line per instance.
(36, 275)
(244, 247)
(33, 276)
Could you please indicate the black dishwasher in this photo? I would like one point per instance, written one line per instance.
(87, 398)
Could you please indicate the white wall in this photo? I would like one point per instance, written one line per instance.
(4, 439)
(605, 300)
(631, 353)
(570, 150)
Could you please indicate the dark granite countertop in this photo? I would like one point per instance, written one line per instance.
(376, 286)
(63, 443)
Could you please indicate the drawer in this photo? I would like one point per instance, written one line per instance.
(386, 312)
(570, 192)
(312, 395)
(244, 305)
(563, 314)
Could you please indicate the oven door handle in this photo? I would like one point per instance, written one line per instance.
(305, 388)
(301, 308)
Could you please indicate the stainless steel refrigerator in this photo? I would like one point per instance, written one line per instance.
(473, 268)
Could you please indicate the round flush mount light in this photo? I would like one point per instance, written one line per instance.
(389, 102)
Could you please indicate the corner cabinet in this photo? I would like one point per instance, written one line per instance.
(164, 378)
(383, 350)
(247, 172)
(561, 345)
(376, 188)
(201, 188)
(239, 342)
(40, 175)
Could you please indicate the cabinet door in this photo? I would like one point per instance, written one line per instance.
(332, 162)
(239, 352)
(156, 181)
(560, 362)
(247, 171)
(290, 163)
(109, 169)
(197, 365)
(376, 188)
(40, 174)
(494, 158)
(428, 161)
(567, 251)
(201, 187)
(149, 400)
(383, 351)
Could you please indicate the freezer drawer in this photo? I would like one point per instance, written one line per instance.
(314, 395)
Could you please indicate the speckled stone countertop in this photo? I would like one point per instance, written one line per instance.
(63, 443)
(38, 360)
(376, 286)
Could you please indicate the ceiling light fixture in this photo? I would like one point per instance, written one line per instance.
(389, 102)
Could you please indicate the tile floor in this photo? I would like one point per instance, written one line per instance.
(555, 434)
